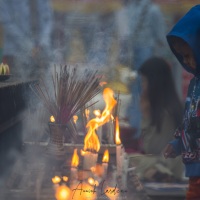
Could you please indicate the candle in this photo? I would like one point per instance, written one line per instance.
(56, 180)
(125, 170)
(90, 160)
(118, 149)
(74, 164)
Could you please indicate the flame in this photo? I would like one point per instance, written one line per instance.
(63, 193)
(75, 118)
(91, 141)
(56, 179)
(52, 119)
(117, 134)
(108, 96)
(97, 113)
(65, 178)
(75, 159)
(105, 156)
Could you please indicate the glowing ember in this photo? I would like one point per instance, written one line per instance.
(75, 118)
(52, 119)
(63, 193)
(75, 159)
(117, 136)
(56, 179)
(105, 156)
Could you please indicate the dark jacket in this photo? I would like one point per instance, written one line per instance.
(187, 142)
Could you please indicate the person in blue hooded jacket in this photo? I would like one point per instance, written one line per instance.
(184, 41)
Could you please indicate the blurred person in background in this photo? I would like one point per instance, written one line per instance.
(141, 32)
(161, 111)
(27, 27)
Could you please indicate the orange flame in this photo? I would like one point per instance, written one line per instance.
(65, 178)
(105, 156)
(97, 113)
(56, 179)
(75, 118)
(117, 134)
(75, 159)
(52, 119)
(63, 193)
(91, 141)
(110, 101)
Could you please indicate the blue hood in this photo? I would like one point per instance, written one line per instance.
(188, 29)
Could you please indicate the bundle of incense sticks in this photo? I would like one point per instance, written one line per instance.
(72, 89)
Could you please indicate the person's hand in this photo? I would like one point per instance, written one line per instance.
(169, 152)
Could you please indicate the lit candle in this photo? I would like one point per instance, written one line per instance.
(105, 163)
(56, 180)
(74, 165)
(118, 149)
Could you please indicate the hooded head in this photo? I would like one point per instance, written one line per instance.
(184, 40)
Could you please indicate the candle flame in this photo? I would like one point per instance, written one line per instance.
(75, 118)
(117, 134)
(75, 159)
(65, 178)
(91, 141)
(56, 179)
(52, 119)
(105, 156)
(63, 193)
